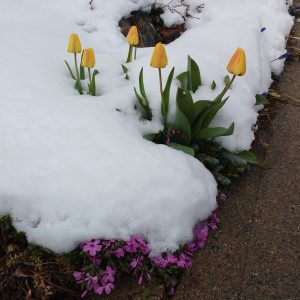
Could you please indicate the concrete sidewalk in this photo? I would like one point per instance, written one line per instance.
(255, 253)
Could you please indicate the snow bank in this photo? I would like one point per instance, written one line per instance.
(72, 167)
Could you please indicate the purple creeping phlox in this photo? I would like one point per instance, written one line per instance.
(92, 247)
(104, 259)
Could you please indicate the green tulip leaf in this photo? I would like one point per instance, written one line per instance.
(183, 124)
(184, 101)
(213, 85)
(93, 84)
(182, 78)
(141, 83)
(227, 80)
(194, 76)
(78, 87)
(70, 70)
(198, 107)
(211, 112)
(206, 133)
(185, 149)
(150, 136)
(143, 101)
(125, 69)
(248, 156)
(166, 95)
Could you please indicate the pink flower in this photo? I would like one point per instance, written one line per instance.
(107, 243)
(107, 288)
(202, 234)
(159, 262)
(135, 243)
(171, 259)
(131, 246)
(136, 262)
(119, 252)
(184, 261)
(214, 221)
(78, 276)
(92, 282)
(92, 247)
(192, 246)
(109, 274)
(95, 260)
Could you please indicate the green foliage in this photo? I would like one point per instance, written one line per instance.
(261, 100)
(125, 71)
(92, 84)
(205, 133)
(165, 97)
(70, 70)
(78, 86)
(191, 79)
(213, 85)
(82, 73)
(194, 118)
(182, 78)
(142, 98)
(247, 156)
(185, 149)
(191, 131)
(194, 77)
(227, 81)
(219, 161)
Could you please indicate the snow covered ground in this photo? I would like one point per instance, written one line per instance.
(72, 167)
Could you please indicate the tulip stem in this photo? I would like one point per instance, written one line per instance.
(135, 53)
(230, 83)
(76, 66)
(160, 80)
(78, 84)
(226, 88)
(90, 76)
(129, 58)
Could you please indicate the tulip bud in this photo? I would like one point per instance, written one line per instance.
(237, 64)
(133, 36)
(88, 58)
(74, 44)
(159, 57)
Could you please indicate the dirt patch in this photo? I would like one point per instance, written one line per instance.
(151, 27)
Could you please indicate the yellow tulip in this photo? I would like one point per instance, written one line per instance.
(133, 36)
(159, 57)
(88, 58)
(237, 64)
(74, 44)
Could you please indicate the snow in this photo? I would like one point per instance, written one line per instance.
(72, 167)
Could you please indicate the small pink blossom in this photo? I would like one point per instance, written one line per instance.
(92, 247)
(78, 276)
(136, 262)
(119, 252)
(92, 282)
(107, 288)
(109, 274)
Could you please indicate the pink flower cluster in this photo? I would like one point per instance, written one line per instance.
(103, 258)
(104, 282)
